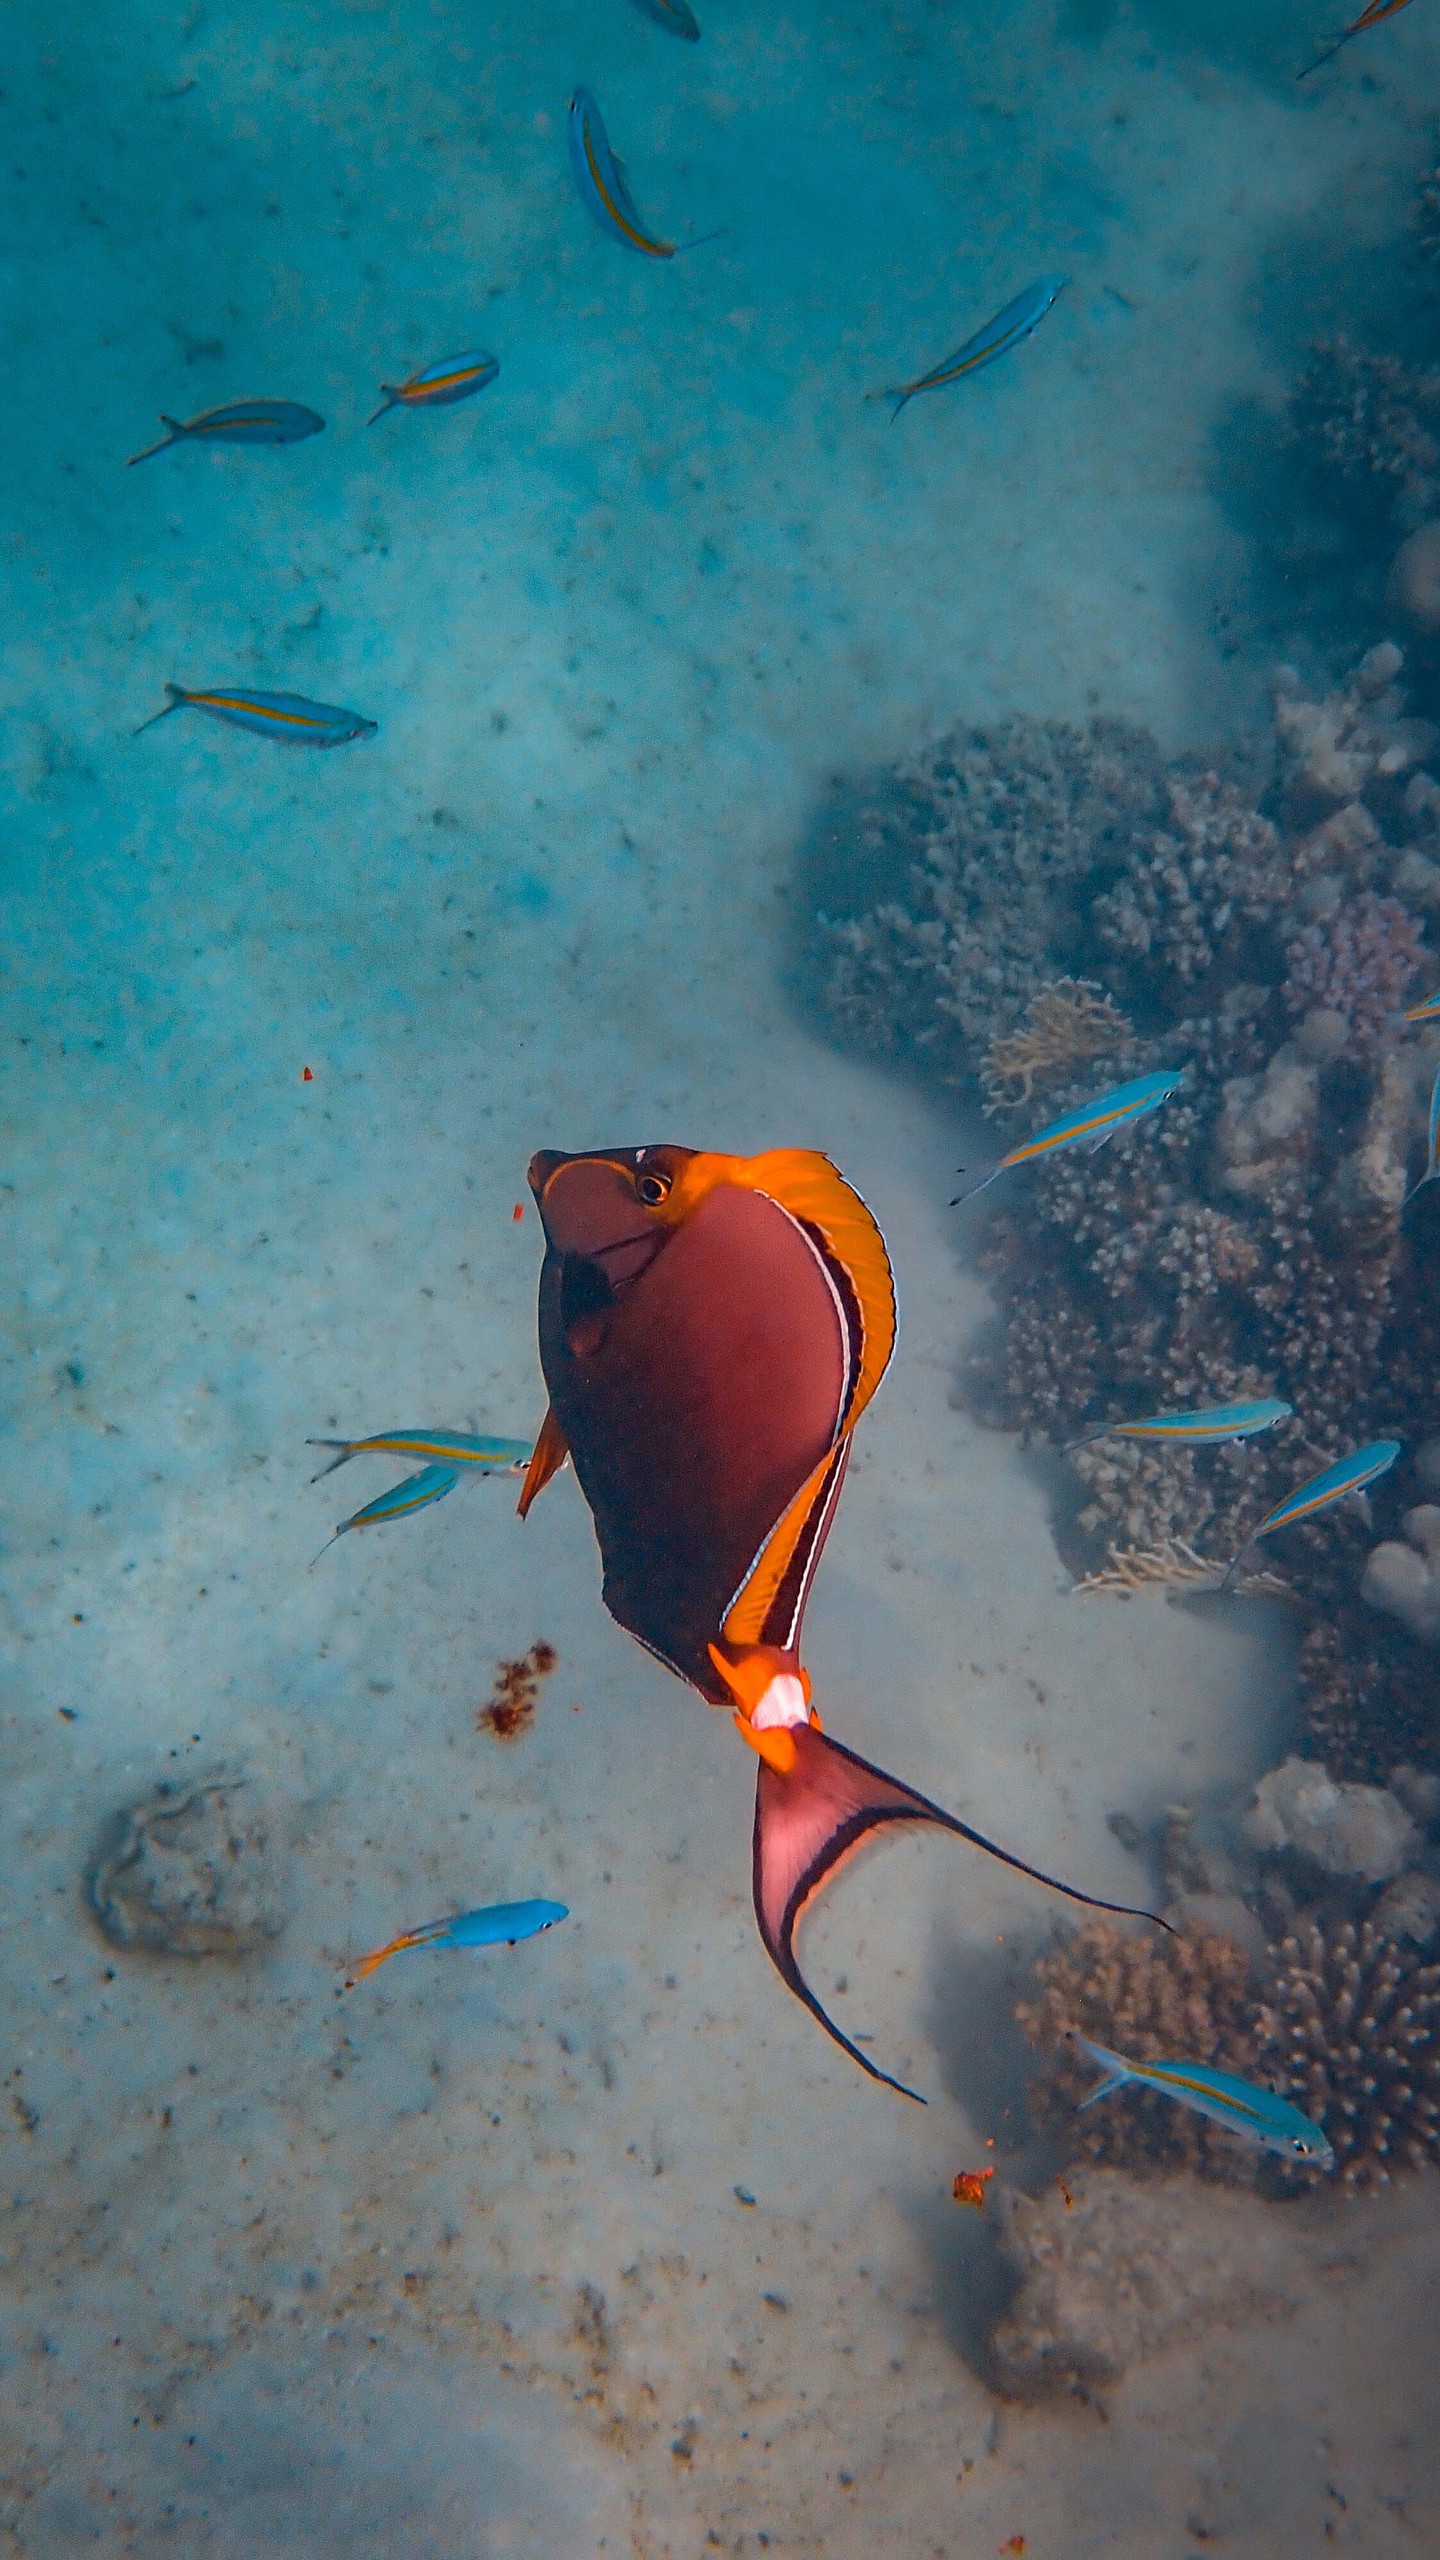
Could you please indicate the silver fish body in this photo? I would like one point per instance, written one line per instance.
(1018, 319)
(239, 422)
(288, 717)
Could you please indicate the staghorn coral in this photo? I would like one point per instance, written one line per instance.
(1065, 1026)
(1357, 964)
(1150, 1998)
(1351, 2032)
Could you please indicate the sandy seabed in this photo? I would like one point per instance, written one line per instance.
(456, 2262)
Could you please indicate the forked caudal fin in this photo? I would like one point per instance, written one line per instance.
(811, 1818)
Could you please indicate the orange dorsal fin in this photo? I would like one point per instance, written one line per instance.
(807, 1184)
(546, 1460)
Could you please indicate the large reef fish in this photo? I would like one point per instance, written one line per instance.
(1018, 319)
(1093, 1125)
(239, 422)
(712, 1327)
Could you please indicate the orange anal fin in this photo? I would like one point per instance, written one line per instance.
(811, 1818)
(546, 1460)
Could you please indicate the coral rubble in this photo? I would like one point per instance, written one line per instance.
(1108, 2273)
(1352, 2033)
(188, 1875)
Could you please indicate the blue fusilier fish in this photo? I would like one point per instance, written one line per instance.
(240, 422)
(1092, 1126)
(1200, 1430)
(415, 1494)
(604, 188)
(287, 716)
(501, 1924)
(439, 386)
(1347, 1475)
(1432, 1147)
(488, 1456)
(674, 16)
(1427, 1011)
(1257, 2113)
(998, 336)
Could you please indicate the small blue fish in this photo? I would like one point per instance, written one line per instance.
(240, 422)
(604, 188)
(1198, 1430)
(674, 16)
(439, 386)
(1093, 1125)
(1257, 2113)
(500, 1924)
(415, 1494)
(1347, 1475)
(998, 336)
(287, 716)
(488, 1456)
(1426, 1011)
(1432, 1147)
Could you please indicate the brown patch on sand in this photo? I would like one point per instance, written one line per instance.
(516, 1694)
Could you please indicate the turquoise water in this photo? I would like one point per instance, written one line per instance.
(459, 2262)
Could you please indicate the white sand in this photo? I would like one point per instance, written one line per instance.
(620, 621)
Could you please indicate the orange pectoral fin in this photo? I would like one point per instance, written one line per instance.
(809, 1820)
(547, 1458)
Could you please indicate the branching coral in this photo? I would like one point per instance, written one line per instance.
(1352, 2034)
(1357, 964)
(1216, 867)
(1368, 419)
(1065, 1026)
(1152, 1999)
(993, 835)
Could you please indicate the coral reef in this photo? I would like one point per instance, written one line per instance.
(1351, 2032)
(1368, 422)
(1108, 2273)
(1404, 1580)
(511, 1705)
(1246, 1240)
(992, 837)
(1151, 1998)
(1342, 1828)
(1065, 1026)
(189, 1875)
(1357, 965)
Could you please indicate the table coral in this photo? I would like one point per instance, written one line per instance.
(1352, 2034)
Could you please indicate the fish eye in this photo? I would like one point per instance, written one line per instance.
(653, 1188)
(1300, 2147)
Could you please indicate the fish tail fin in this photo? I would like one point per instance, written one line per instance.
(900, 398)
(390, 401)
(162, 443)
(382, 1955)
(178, 699)
(1234, 1565)
(329, 1543)
(683, 247)
(346, 1448)
(972, 1187)
(816, 1803)
(1117, 2071)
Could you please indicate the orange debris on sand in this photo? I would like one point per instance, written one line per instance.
(305, 1076)
(969, 2187)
